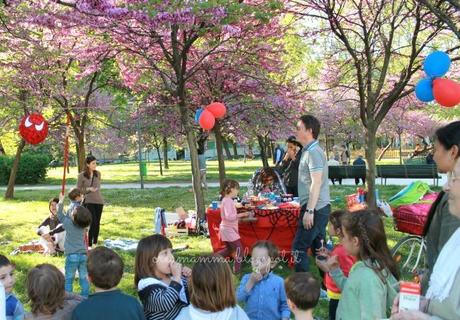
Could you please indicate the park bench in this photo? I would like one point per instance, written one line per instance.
(347, 172)
(419, 171)
(415, 161)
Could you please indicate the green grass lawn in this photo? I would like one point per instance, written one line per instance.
(127, 214)
(179, 171)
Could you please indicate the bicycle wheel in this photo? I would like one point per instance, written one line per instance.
(410, 255)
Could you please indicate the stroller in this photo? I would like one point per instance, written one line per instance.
(266, 180)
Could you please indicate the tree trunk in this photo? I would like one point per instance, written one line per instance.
(80, 147)
(268, 150)
(2, 150)
(227, 149)
(250, 151)
(220, 154)
(385, 149)
(327, 147)
(196, 179)
(159, 159)
(263, 154)
(165, 152)
(370, 139)
(9, 194)
(191, 141)
(271, 151)
(235, 151)
(400, 149)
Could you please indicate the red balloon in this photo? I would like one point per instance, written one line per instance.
(217, 109)
(446, 92)
(207, 120)
(33, 128)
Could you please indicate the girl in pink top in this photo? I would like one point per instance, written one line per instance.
(229, 224)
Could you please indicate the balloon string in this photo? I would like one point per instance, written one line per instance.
(66, 154)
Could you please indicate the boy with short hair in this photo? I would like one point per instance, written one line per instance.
(262, 291)
(302, 291)
(105, 270)
(75, 249)
(11, 305)
(76, 198)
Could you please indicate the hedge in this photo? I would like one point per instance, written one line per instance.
(32, 168)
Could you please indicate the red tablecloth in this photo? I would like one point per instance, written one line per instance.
(279, 227)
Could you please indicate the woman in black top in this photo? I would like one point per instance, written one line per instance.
(290, 165)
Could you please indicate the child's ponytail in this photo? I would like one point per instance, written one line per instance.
(368, 227)
(227, 187)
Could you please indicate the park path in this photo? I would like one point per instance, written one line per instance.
(346, 182)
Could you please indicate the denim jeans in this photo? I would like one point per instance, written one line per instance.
(305, 239)
(74, 262)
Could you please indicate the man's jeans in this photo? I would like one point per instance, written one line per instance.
(74, 262)
(311, 238)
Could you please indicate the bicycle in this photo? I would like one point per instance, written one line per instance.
(410, 251)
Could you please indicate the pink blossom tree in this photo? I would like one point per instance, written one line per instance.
(167, 39)
(382, 45)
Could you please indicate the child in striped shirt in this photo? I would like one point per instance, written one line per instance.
(160, 280)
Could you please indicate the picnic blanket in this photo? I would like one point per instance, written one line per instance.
(29, 247)
(121, 244)
(131, 245)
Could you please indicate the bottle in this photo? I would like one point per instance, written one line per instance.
(358, 195)
(362, 197)
(250, 192)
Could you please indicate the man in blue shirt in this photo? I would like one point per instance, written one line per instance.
(359, 162)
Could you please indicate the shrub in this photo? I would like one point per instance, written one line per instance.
(32, 168)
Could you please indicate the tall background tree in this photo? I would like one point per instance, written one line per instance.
(383, 44)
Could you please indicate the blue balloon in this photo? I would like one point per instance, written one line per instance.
(424, 90)
(198, 114)
(436, 64)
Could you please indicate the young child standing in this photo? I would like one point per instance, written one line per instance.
(105, 270)
(346, 261)
(14, 309)
(262, 291)
(372, 283)
(160, 280)
(229, 225)
(75, 250)
(302, 291)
